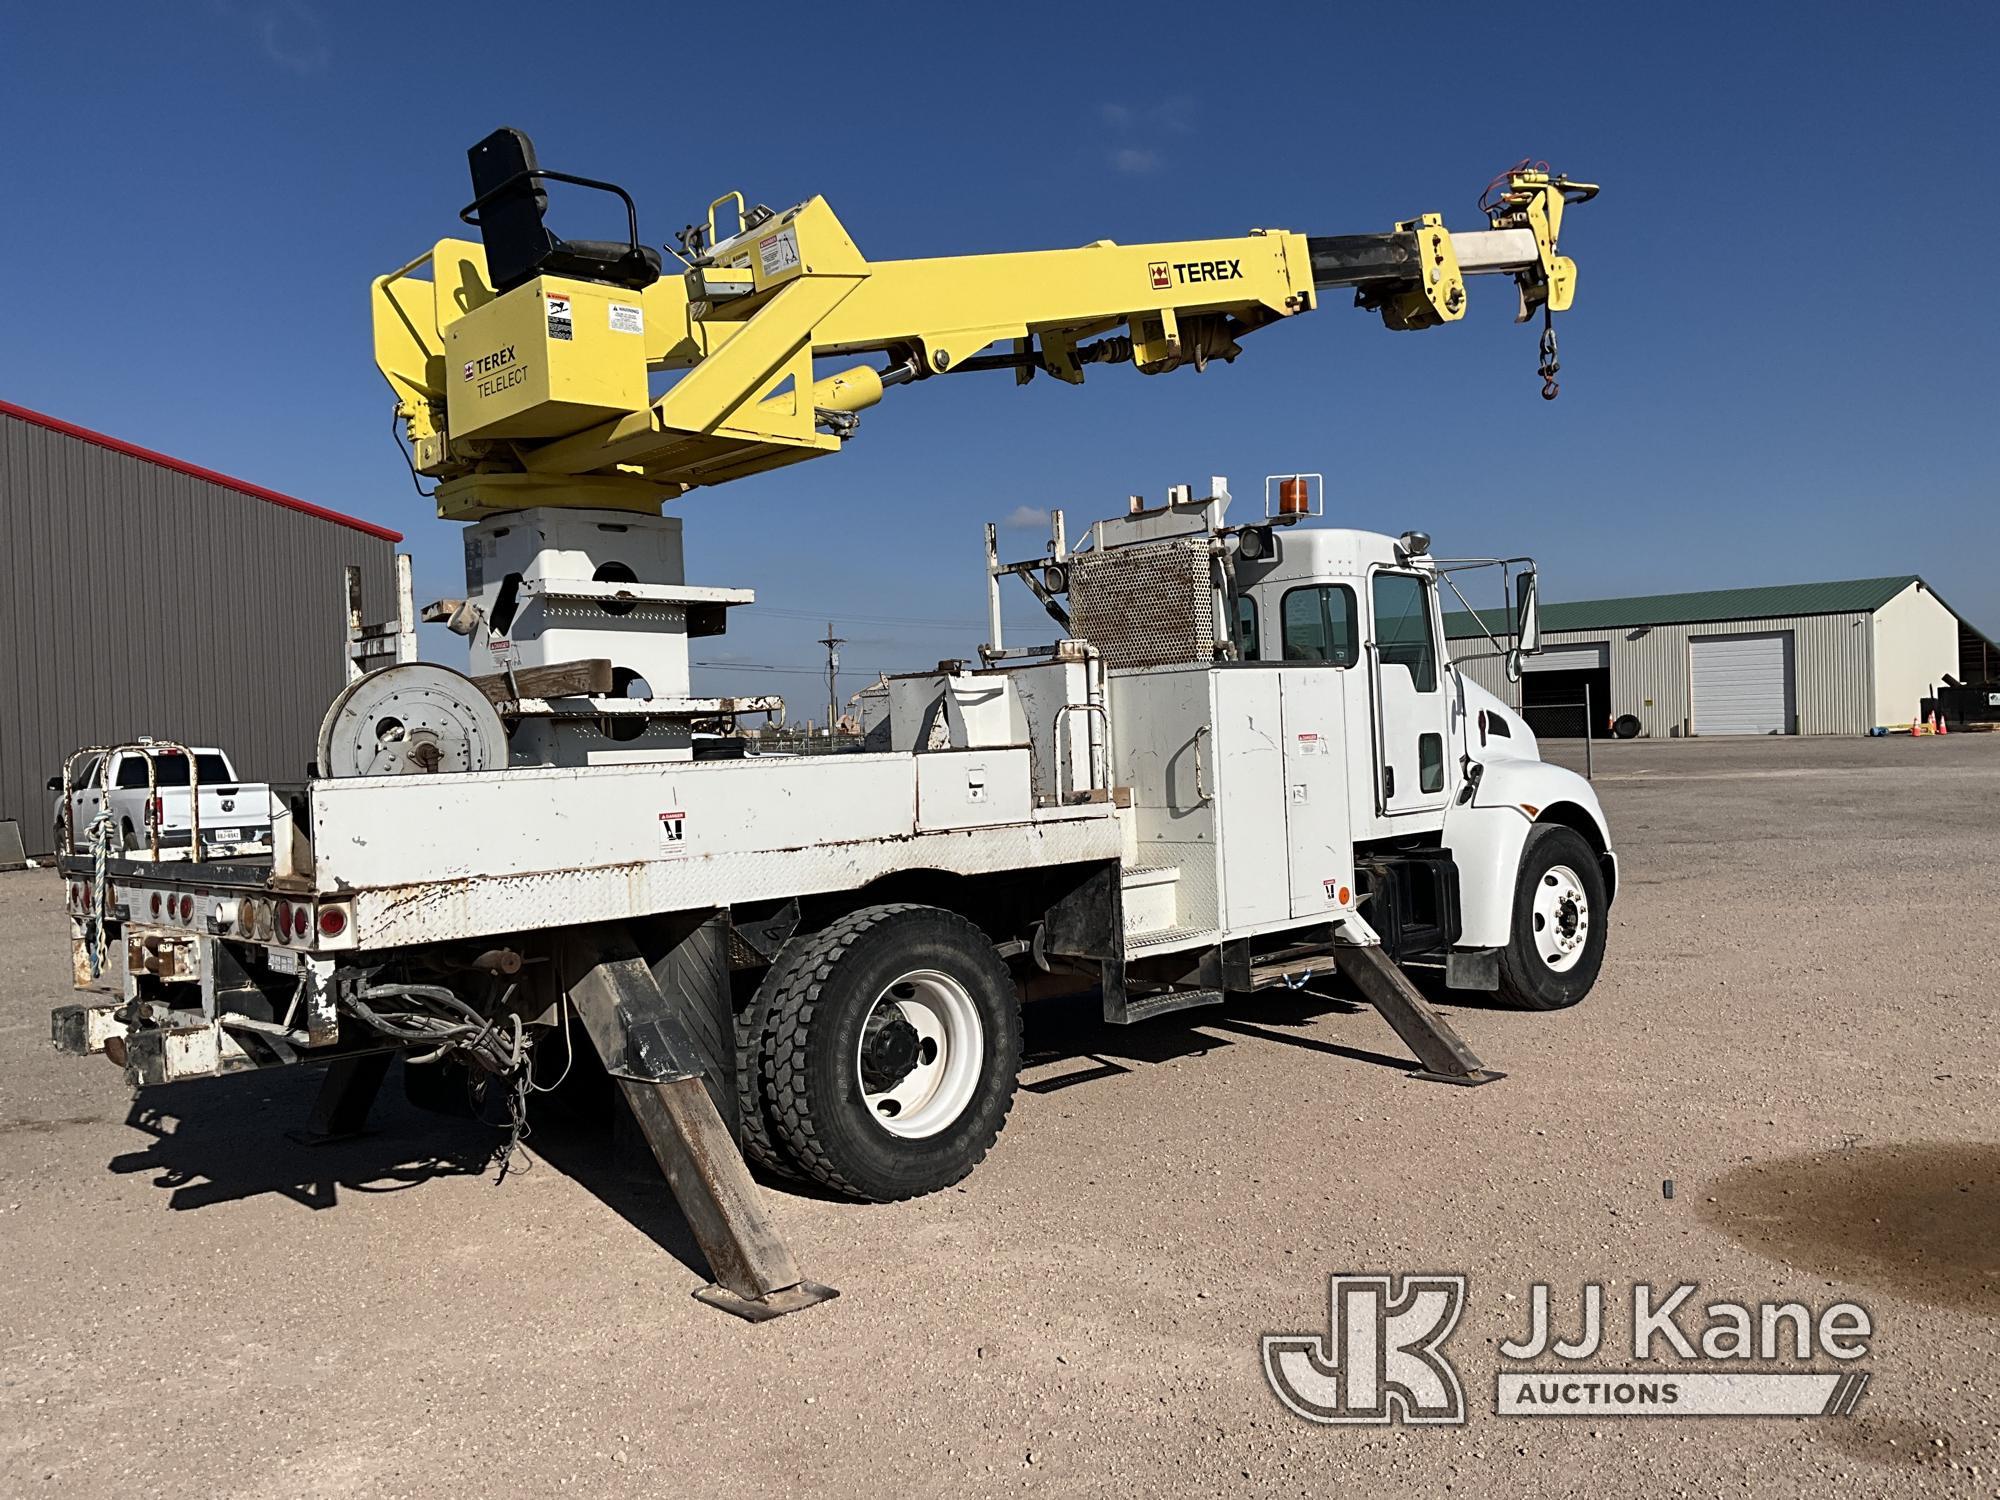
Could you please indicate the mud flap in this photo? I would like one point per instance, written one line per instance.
(642, 1034)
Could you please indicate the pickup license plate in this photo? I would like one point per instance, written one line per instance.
(227, 836)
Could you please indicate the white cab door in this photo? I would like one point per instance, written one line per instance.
(1411, 704)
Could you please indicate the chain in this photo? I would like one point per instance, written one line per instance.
(1550, 364)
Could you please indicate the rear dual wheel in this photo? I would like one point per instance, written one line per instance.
(878, 1058)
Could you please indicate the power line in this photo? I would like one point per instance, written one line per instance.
(773, 612)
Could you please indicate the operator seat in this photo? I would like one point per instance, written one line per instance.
(519, 247)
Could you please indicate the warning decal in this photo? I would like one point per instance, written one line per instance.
(778, 253)
(627, 319)
(673, 832)
(561, 326)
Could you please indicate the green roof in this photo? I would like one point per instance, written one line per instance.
(1854, 596)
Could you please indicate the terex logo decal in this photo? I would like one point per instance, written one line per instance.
(1164, 274)
(486, 364)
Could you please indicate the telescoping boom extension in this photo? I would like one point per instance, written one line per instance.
(524, 368)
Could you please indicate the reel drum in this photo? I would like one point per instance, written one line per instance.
(412, 719)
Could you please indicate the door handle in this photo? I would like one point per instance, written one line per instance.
(1200, 787)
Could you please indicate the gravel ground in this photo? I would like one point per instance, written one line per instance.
(1794, 1023)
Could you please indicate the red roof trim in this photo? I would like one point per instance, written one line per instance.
(196, 471)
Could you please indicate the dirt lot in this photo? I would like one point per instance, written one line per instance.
(1796, 1023)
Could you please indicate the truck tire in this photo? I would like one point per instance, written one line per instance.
(891, 1049)
(1552, 959)
(753, 1105)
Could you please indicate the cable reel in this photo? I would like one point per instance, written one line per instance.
(412, 719)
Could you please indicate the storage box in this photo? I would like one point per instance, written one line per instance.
(550, 358)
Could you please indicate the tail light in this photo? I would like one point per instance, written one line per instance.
(156, 811)
(332, 921)
(187, 908)
(156, 903)
(284, 925)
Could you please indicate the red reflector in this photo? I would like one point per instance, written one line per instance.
(156, 903)
(187, 908)
(332, 921)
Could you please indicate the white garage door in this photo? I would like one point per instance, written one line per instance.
(1742, 684)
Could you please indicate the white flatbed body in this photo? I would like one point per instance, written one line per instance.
(436, 859)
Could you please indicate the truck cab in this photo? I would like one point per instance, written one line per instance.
(1435, 761)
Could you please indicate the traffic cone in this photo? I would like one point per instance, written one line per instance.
(1916, 727)
(1941, 725)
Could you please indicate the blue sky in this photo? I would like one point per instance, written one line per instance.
(1780, 366)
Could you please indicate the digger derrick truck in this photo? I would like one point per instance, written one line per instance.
(1244, 761)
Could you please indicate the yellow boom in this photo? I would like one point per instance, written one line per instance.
(534, 371)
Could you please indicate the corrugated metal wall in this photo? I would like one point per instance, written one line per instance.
(139, 600)
(1832, 661)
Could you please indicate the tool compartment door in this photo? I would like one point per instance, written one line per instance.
(1319, 843)
(1243, 771)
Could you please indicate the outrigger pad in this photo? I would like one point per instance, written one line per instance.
(776, 1304)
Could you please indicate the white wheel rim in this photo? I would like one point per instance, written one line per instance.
(1561, 918)
(951, 1046)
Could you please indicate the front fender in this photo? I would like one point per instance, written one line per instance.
(1485, 837)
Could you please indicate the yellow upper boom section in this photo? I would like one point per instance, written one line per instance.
(568, 390)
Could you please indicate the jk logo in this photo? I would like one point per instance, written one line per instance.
(1381, 1360)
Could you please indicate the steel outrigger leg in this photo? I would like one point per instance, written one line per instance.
(642, 1035)
(1443, 1053)
(346, 1094)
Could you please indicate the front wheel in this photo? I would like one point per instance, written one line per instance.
(891, 1048)
(1557, 947)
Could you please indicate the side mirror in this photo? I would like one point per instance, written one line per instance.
(1527, 615)
(55, 783)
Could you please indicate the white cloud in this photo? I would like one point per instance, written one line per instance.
(1139, 131)
(1026, 518)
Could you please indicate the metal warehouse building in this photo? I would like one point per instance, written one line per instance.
(146, 596)
(1801, 658)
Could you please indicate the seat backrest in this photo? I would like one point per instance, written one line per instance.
(510, 223)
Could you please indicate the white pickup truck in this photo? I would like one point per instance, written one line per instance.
(151, 790)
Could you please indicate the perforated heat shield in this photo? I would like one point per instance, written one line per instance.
(1151, 604)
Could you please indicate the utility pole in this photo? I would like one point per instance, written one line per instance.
(833, 643)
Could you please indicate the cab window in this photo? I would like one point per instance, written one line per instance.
(1246, 626)
(1403, 627)
(1318, 624)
